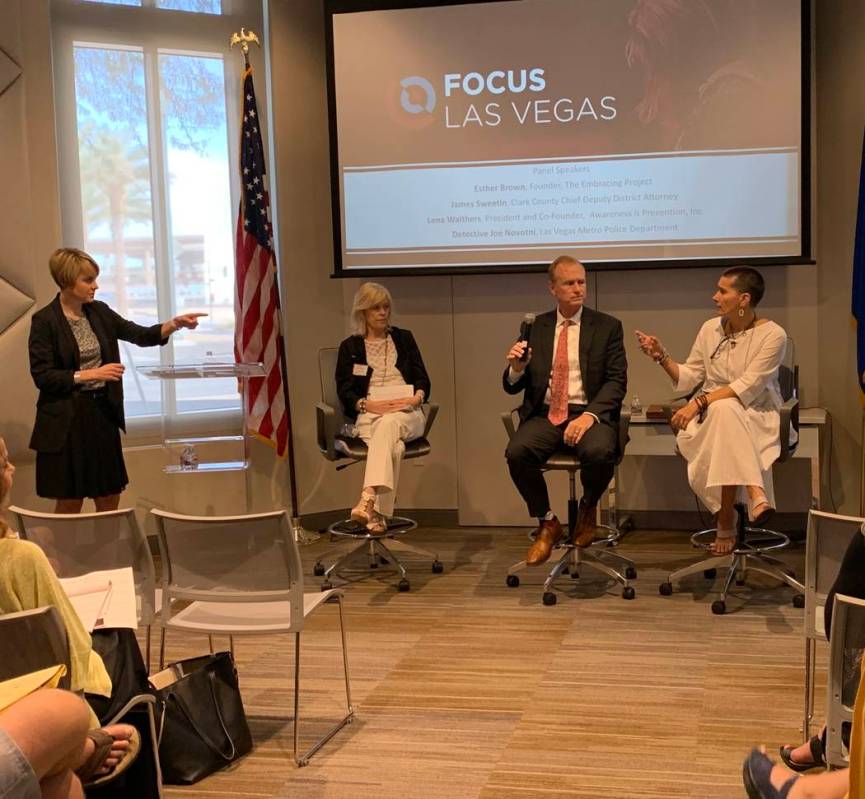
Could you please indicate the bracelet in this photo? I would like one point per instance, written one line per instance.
(661, 357)
(702, 401)
(361, 405)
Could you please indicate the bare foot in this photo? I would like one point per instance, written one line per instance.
(722, 545)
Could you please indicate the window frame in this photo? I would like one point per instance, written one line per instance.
(151, 31)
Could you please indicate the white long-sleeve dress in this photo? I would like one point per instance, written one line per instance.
(738, 441)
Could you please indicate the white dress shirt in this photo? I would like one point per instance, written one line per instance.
(576, 390)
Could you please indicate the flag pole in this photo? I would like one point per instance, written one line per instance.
(301, 535)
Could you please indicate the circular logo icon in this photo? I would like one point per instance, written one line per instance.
(408, 99)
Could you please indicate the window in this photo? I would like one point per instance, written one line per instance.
(147, 135)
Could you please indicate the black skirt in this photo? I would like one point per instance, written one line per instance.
(91, 463)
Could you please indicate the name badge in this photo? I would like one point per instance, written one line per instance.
(360, 369)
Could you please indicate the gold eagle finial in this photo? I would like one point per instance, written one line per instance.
(243, 39)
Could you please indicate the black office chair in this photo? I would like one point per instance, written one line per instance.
(337, 445)
(572, 557)
(750, 551)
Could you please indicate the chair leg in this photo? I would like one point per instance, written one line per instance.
(731, 575)
(161, 648)
(704, 565)
(300, 761)
(345, 657)
(810, 653)
(147, 648)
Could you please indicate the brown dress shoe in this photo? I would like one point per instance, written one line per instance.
(549, 534)
(586, 526)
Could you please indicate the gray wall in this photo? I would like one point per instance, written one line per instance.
(464, 324)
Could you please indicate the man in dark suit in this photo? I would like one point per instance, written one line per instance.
(574, 380)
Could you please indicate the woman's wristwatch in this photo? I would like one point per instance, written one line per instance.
(661, 357)
(361, 405)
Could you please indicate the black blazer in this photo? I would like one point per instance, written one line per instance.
(603, 365)
(54, 359)
(351, 387)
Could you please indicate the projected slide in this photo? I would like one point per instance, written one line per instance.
(495, 135)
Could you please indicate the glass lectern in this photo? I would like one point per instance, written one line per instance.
(196, 454)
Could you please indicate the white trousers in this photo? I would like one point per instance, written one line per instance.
(385, 437)
(734, 446)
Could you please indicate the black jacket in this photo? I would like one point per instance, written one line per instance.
(603, 365)
(351, 387)
(54, 359)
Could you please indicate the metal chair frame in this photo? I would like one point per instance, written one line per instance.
(346, 452)
(299, 605)
(572, 558)
(752, 543)
(815, 599)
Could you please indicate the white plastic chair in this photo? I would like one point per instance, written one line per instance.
(242, 575)
(80, 543)
(829, 536)
(845, 655)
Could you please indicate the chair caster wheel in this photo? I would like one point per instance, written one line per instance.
(665, 589)
(438, 567)
(710, 574)
(626, 524)
(403, 585)
(318, 570)
(631, 573)
(326, 586)
(719, 607)
(628, 592)
(575, 574)
(740, 581)
(512, 581)
(373, 564)
(549, 598)
(566, 570)
(799, 601)
(383, 561)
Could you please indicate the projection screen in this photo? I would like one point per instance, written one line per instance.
(485, 137)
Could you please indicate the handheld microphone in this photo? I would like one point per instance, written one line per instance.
(526, 333)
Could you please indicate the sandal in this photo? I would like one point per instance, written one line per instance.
(377, 524)
(764, 515)
(818, 756)
(104, 742)
(757, 776)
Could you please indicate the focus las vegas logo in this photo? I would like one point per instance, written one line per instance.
(462, 110)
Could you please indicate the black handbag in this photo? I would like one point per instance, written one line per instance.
(203, 727)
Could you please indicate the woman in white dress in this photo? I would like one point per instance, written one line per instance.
(729, 431)
(382, 382)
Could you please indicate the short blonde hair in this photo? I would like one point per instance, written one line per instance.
(368, 296)
(68, 264)
(562, 259)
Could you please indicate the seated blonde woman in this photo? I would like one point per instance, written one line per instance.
(729, 431)
(377, 361)
(27, 581)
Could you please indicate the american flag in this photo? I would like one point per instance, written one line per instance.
(257, 335)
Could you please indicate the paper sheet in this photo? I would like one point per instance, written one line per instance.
(103, 598)
(391, 392)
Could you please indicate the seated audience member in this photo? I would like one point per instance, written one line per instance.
(573, 380)
(765, 779)
(851, 582)
(27, 581)
(729, 431)
(376, 357)
(48, 750)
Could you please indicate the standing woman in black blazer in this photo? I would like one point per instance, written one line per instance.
(75, 363)
(380, 359)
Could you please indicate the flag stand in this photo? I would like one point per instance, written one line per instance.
(301, 535)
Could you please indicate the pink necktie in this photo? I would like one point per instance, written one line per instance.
(559, 385)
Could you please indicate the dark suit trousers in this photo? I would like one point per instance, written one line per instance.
(537, 438)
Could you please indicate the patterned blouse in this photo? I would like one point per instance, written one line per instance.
(381, 356)
(88, 346)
